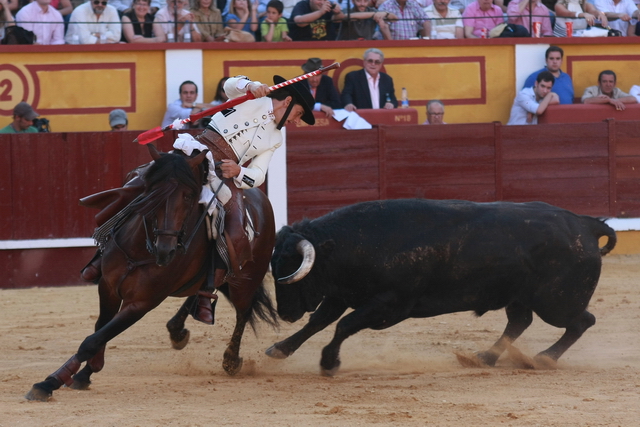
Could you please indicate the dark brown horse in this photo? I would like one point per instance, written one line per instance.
(161, 249)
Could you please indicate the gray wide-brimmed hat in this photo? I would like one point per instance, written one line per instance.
(312, 64)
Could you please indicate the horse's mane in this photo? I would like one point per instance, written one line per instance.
(162, 178)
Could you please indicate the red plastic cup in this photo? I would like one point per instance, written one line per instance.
(569, 25)
(537, 29)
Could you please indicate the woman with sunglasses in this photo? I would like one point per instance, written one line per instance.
(138, 25)
(94, 22)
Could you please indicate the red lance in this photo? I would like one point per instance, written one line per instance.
(155, 133)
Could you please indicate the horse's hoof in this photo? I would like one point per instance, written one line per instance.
(182, 342)
(80, 385)
(275, 352)
(232, 367)
(38, 394)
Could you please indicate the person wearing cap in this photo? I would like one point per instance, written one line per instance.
(322, 88)
(23, 116)
(118, 120)
(241, 141)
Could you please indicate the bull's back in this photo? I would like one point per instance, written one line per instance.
(441, 245)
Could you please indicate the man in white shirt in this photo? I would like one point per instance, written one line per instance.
(45, 22)
(533, 101)
(446, 22)
(620, 14)
(94, 22)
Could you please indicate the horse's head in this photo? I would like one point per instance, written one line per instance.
(173, 185)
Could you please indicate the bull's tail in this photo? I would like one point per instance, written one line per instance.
(602, 229)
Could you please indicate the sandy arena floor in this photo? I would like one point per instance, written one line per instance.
(407, 375)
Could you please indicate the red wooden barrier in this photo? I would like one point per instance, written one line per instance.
(398, 116)
(591, 168)
(588, 113)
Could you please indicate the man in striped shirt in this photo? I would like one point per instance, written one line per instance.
(412, 19)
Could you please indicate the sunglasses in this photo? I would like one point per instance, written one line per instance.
(374, 61)
(97, 2)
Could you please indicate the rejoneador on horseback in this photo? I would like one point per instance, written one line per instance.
(247, 133)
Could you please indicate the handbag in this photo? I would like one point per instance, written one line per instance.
(238, 36)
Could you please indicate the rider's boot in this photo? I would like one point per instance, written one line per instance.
(204, 306)
(92, 272)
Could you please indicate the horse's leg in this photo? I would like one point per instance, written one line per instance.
(232, 362)
(129, 314)
(109, 306)
(177, 332)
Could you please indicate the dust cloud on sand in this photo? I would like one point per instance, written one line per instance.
(406, 375)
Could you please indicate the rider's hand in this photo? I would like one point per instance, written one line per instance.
(229, 168)
(257, 89)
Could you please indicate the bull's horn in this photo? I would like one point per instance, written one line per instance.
(305, 248)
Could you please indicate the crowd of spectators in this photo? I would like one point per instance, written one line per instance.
(156, 21)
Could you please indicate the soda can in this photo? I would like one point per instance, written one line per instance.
(483, 33)
(537, 29)
(569, 25)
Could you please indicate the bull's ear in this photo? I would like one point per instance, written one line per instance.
(327, 246)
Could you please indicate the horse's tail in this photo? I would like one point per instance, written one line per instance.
(262, 308)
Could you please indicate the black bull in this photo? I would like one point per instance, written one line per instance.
(397, 259)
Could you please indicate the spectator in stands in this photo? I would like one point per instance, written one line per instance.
(435, 113)
(369, 87)
(314, 20)
(322, 88)
(126, 5)
(23, 116)
(581, 12)
(12, 6)
(221, 95)
(446, 22)
(479, 16)
(118, 119)
(518, 13)
(184, 106)
(563, 84)
(635, 91)
(620, 14)
(412, 19)
(208, 19)
(6, 18)
(363, 21)
(606, 92)
(138, 25)
(166, 17)
(274, 28)
(44, 20)
(94, 22)
(533, 101)
(243, 16)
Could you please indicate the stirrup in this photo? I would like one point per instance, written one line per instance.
(203, 307)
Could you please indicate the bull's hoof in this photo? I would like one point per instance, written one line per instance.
(38, 394)
(542, 361)
(181, 339)
(80, 385)
(232, 367)
(275, 352)
(329, 372)
(471, 360)
(519, 359)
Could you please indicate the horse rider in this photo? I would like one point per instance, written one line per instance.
(249, 132)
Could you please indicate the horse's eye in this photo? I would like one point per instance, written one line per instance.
(189, 197)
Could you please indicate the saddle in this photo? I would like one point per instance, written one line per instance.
(111, 202)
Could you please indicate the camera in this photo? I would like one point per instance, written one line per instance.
(41, 124)
(333, 6)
